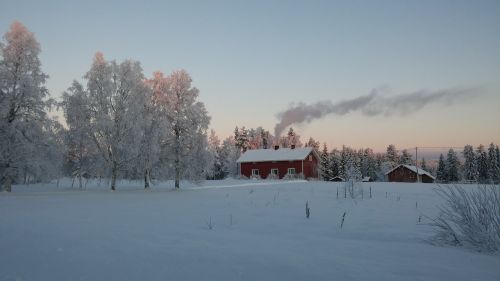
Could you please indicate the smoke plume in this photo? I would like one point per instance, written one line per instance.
(372, 104)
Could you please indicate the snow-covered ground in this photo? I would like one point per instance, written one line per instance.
(259, 232)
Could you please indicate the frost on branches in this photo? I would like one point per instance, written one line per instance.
(29, 140)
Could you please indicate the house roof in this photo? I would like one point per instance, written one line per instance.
(282, 154)
(414, 169)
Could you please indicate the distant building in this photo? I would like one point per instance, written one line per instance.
(408, 173)
(279, 162)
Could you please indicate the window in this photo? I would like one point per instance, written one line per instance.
(310, 158)
(274, 171)
(255, 172)
(291, 171)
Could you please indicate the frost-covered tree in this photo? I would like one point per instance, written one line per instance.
(154, 127)
(368, 164)
(493, 165)
(116, 104)
(345, 156)
(325, 167)
(452, 166)
(215, 165)
(229, 155)
(470, 164)
(312, 143)
(392, 155)
(290, 139)
(82, 159)
(241, 138)
(27, 135)
(352, 170)
(185, 145)
(441, 174)
(406, 158)
(482, 164)
(335, 162)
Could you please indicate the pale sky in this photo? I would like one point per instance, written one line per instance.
(252, 59)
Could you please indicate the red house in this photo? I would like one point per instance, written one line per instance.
(279, 162)
(408, 173)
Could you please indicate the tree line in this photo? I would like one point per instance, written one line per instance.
(479, 165)
(121, 124)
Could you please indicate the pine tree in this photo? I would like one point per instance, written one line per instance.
(441, 175)
(470, 164)
(482, 164)
(326, 169)
(452, 166)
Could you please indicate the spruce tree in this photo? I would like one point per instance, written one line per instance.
(325, 167)
(452, 166)
(493, 167)
(482, 164)
(470, 164)
(335, 163)
(441, 175)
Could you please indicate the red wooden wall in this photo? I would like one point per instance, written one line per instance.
(310, 167)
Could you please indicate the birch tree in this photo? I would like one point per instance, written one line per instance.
(81, 158)
(27, 135)
(185, 146)
(116, 102)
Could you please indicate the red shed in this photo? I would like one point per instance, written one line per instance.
(280, 162)
(408, 173)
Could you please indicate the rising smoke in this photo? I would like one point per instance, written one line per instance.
(372, 104)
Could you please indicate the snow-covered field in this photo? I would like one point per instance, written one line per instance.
(259, 232)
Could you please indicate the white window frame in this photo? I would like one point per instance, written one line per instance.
(290, 171)
(277, 171)
(255, 172)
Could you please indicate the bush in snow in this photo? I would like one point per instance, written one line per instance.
(272, 176)
(469, 218)
(255, 177)
(299, 176)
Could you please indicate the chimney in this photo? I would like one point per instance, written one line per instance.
(276, 147)
(292, 146)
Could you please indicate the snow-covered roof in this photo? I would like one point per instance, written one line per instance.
(414, 169)
(281, 154)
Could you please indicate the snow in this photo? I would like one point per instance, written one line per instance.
(414, 169)
(281, 154)
(260, 233)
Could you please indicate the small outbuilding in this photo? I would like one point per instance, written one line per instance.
(409, 173)
(279, 162)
